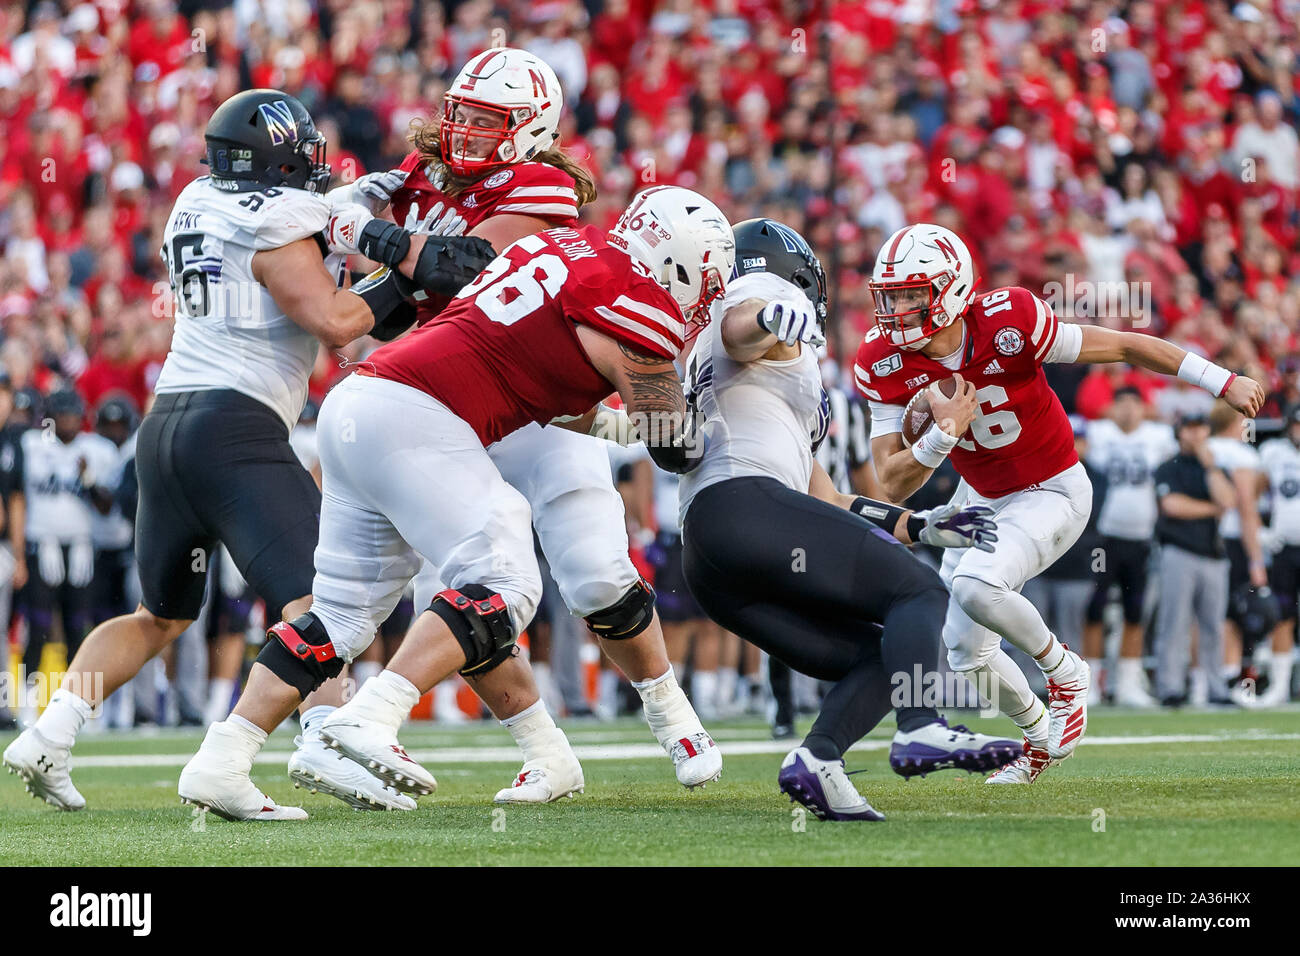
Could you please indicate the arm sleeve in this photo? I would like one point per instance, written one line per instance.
(885, 419)
(1069, 340)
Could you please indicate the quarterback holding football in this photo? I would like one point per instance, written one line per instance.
(1011, 442)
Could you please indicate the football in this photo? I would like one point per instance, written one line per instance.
(917, 416)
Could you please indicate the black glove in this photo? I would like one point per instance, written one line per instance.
(449, 263)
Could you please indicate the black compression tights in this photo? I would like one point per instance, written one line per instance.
(820, 589)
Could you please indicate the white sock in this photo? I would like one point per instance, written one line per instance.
(1055, 662)
(1097, 665)
(220, 692)
(362, 671)
(1279, 675)
(704, 689)
(236, 740)
(727, 679)
(386, 699)
(667, 710)
(63, 718)
(312, 720)
(1128, 672)
(535, 732)
(444, 699)
(1015, 699)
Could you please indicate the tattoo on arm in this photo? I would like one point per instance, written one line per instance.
(637, 357)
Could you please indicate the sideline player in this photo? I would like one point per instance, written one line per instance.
(1011, 442)
(255, 295)
(773, 552)
(545, 332)
(492, 167)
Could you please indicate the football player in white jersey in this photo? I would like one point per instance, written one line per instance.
(1280, 460)
(67, 471)
(256, 291)
(774, 553)
(1127, 448)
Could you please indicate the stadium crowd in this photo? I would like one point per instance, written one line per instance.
(1134, 164)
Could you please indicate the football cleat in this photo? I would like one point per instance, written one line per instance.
(696, 759)
(823, 787)
(319, 769)
(1067, 707)
(377, 750)
(553, 778)
(1026, 767)
(210, 783)
(936, 746)
(44, 769)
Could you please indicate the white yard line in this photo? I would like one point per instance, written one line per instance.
(443, 756)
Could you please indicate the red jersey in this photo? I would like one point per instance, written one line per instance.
(505, 352)
(1021, 434)
(526, 189)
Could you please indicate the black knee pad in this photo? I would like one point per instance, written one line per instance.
(493, 662)
(628, 616)
(300, 654)
(480, 621)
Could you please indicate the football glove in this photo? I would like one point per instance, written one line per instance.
(792, 321)
(951, 526)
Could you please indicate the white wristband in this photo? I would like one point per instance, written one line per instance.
(934, 447)
(1204, 374)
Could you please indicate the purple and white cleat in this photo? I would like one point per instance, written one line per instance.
(823, 787)
(936, 746)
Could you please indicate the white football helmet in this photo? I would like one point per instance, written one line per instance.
(518, 87)
(686, 242)
(921, 270)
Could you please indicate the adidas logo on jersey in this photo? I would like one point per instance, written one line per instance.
(993, 368)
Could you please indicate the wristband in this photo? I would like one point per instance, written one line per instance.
(882, 514)
(934, 447)
(384, 242)
(1197, 371)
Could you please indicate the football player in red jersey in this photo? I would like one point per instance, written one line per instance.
(545, 332)
(1010, 440)
(492, 167)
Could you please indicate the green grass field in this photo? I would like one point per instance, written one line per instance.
(1190, 788)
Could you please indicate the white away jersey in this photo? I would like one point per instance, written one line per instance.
(1281, 462)
(56, 479)
(1129, 461)
(1232, 454)
(762, 417)
(229, 331)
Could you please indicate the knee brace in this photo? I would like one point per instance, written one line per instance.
(300, 653)
(979, 599)
(628, 616)
(480, 621)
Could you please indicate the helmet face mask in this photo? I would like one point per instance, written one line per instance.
(461, 138)
(922, 282)
(265, 138)
(502, 108)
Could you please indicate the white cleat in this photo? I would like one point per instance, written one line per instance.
(1025, 768)
(44, 769)
(377, 750)
(823, 787)
(546, 781)
(696, 758)
(319, 769)
(1067, 707)
(211, 784)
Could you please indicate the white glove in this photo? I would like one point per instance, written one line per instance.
(791, 321)
(951, 526)
(375, 190)
(81, 563)
(344, 229)
(49, 561)
(436, 222)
